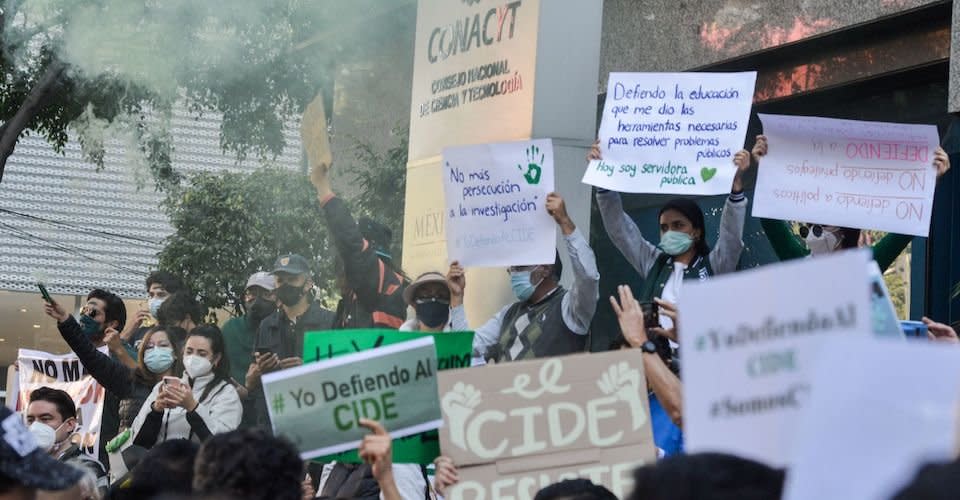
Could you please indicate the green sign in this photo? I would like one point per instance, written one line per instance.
(454, 350)
(318, 406)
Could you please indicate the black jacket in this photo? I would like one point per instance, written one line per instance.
(279, 336)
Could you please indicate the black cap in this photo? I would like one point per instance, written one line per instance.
(25, 463)
(291, 263)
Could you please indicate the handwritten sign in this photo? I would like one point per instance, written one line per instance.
(317, 406)
(869, 175)
(513, 428)
(870, 426)
(496, 203)
(65, 372)
(748, 349)
(672, 132)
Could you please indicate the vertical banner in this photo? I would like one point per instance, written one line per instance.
(672, 132)
(869, 175)
(496, 203)
(749, 343)
(65, 372)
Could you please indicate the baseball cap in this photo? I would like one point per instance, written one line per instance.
(25, 463)
(291, 263)
(429, 277)
(262, 279)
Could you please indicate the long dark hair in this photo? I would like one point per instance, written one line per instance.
(177, 337)
(221, 372)
(689, 209)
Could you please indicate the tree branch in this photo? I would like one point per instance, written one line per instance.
(11, 130)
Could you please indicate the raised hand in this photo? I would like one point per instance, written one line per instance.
(759, 148)
(630, 316)
(941, 162)
(445, 475)
(594, 153)
(558, 210)
(376, 449)
(55, 311)
(457, 283)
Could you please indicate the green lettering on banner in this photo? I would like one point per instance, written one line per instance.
(454, 350)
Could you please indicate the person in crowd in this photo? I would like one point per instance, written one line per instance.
(25, 468)
(707, 476)
(166, 469)
(181, 310)
(665, 395)
(376, 450)
(546, 320)
(818, 239)
(251, 464)
(52, 417)
(279, 343)
(102, 311)
(200, 404)
(939, 481)
(371, 287)
(437, 301)
(575, 489)
(259, 302)
(160, 286)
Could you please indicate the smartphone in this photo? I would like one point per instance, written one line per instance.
(45, 294)
(168, 380)
(651, 314)
(263, 351)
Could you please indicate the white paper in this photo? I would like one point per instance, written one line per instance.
(496, 203)
(884, 314)
(748, 341)
(869, 175)
(882, 409)
(672, 132)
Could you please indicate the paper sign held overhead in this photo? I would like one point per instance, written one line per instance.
(514, 428)
(496, 203)
(672, 132)
(748, 346)
(868, 175)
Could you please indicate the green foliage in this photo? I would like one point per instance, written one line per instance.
(898, 293)
(229, 226)
(383, 185)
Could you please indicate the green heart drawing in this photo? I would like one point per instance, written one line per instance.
(707, 173)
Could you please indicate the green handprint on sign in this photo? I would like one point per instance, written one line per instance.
(532, 175)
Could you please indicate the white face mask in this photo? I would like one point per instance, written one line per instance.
(197, 366)
(45, 435)
(154, 305)
(826, 243)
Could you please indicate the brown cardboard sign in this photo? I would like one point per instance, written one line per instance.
(511, 427)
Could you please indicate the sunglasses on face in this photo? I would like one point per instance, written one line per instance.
(806, 229)
(91, 312)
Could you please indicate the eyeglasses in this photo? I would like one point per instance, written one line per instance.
(806, 228)
(91, 312)
(520, 269)
(427, 300)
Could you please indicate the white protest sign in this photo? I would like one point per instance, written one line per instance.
(869, 175)
(65, 372)
(672, 132)
(496, 203)
(748, 342)
(881, 410)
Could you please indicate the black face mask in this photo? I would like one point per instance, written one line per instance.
(290, 295)
(432, 314)
(260, 309)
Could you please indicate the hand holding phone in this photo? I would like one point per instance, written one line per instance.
(45, 294)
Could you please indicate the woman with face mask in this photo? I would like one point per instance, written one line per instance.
(437, 301)
(201, 403)
(820, 239)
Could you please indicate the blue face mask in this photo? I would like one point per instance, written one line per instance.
(158, 359)
(675, 243)
(522, 287)
(89, 326)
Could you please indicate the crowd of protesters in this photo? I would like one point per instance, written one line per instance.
(185, 414)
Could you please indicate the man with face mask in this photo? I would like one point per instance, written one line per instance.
(279, 342)
(52, 419)
(160, 285)
(437, 301)
(259, 301)
(546, 320)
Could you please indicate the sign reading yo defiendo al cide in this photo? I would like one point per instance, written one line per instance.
(514, 428)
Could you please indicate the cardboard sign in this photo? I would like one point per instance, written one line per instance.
(748, 343)
(496, 203)
(672, 132)
(65, 372)
(849, 173)
(515, 426)
(317, 406)
(882, 409)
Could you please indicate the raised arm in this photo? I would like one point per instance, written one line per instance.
(580, 304)
(726, 253)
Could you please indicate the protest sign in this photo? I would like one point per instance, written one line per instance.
(672, 132)
(317, 406)
(881, 410)
(64, 372)
(849, 173)
(515, 427)
(453, 351)
(748, 344)
(496, 203)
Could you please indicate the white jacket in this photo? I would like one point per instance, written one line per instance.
(221, 411)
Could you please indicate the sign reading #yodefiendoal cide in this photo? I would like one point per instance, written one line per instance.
(514, 428)
(672, 132)
(317, 406)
